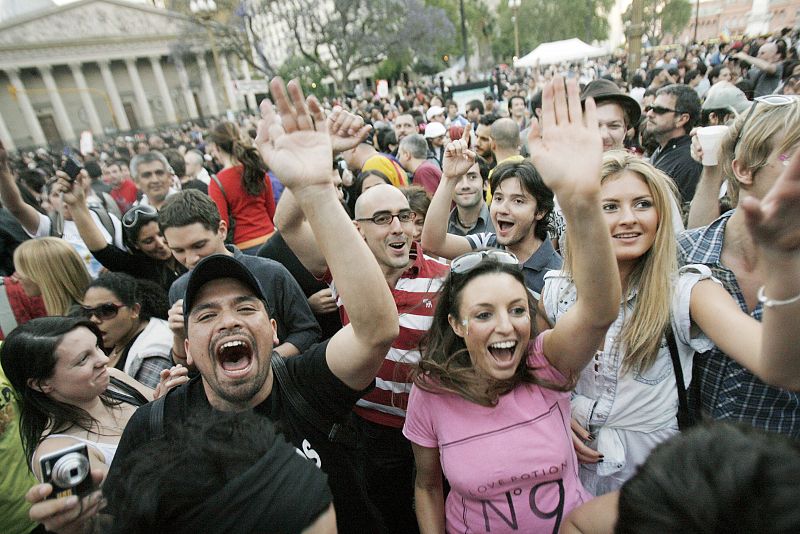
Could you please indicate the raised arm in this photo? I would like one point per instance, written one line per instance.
(758, 63)
(11, 198)
(345, 130)
(298, 149)
(75, 198)
(567, 152)
(458, 159)
(769, 348)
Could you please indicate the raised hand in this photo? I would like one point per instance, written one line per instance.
(566, 149)
(347, 130)
(73, 193)
(458, 158)
(293, 141)
(774, 221)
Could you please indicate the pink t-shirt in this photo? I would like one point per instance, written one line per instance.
(512, 467)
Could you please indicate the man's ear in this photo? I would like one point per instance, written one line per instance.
(358, 227)
(274, 325)
(743, 174)
(222, 229)
(458, 326)
(41, 385)
(682, 119)
(189, 360)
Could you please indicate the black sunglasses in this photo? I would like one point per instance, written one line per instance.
(104, 312)
(131, 217)
(660, 110)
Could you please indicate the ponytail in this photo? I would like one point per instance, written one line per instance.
(227, 137)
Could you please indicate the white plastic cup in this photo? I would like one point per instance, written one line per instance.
(710, 139)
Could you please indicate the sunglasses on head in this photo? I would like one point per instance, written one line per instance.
(660, 110)
(104, 312)
(470, 260)
(131, 217)
(769, 100)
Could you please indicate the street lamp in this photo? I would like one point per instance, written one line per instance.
(205, 10)
(514, 5)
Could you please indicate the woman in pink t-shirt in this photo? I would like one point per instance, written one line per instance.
(489, 408)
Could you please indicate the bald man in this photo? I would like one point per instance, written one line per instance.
(386, 223)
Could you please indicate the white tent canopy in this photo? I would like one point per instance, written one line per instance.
(558, 52)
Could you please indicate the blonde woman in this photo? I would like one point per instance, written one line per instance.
(626, 399)
(50, 267)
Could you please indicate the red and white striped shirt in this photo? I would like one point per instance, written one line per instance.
(415, 295)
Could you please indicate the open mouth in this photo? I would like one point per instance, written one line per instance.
(398, 245)
(235, 357)
(503, 351)
(504, 226)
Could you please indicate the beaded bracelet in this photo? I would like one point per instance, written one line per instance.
(773, 303)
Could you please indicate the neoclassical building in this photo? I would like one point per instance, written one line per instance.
(108, 66)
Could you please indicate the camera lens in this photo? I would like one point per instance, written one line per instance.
(70, 470)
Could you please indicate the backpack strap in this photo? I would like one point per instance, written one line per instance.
(8, 321)
(125, 392)
(157, 417)
(336, 432)
(685, 417)
(105, 220)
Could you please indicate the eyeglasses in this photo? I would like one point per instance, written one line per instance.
(131, 217)
(660, 110)
(104, 312)
(770, 100)
(470, 260)
(382, 218)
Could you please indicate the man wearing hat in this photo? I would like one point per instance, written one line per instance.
(230, 336)
(724, 102)
(616, 111)
(436, 114)
(435, 136)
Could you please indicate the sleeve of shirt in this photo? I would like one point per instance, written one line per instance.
(685, 330)
(149, 373)
(44, 227)
(477, 241)
(299, 327)
(117, 260)
(419, 427)
(322, 389)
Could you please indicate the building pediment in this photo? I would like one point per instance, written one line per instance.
(91, 21)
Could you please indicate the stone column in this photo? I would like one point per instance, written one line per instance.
(138, 90)
(163, 89)
(34, 128)
(208, 86)
(63, 123)
(5, 136)
(113, 94)
(230, 92)
(86, 99)
(250, 96)
(188, 97)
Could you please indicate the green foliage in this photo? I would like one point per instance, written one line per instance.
(307, 73)
(662, 17)
(542, 21)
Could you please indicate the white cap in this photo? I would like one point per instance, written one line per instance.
(433, 111)
(434, 129)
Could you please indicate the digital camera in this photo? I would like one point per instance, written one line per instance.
(68, 471)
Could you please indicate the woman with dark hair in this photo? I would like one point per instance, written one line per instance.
(361, 183)
(489, 407)
(149, 258)
(242, 190)
(59, 373)
(130, 315)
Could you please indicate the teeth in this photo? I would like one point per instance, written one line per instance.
(623, 236)
(503, 345)
(230, 344)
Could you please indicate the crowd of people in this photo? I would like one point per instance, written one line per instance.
(559, 308)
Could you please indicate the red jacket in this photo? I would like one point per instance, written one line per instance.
(16, 307)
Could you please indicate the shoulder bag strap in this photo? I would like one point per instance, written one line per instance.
(126, 393)
(685, 419)
(299, 404)
(157, 418)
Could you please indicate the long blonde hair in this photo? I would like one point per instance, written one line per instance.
(54, 266)
(653, 275)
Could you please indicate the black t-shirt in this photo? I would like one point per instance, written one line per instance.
(323, 391)
(139, 266)
(277, 249)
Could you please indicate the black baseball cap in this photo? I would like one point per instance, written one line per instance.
(216, 267)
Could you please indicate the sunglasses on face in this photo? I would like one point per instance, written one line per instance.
(131, 217)
(103, 312)
(660, 110)
(382, 218)
(470, 260)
